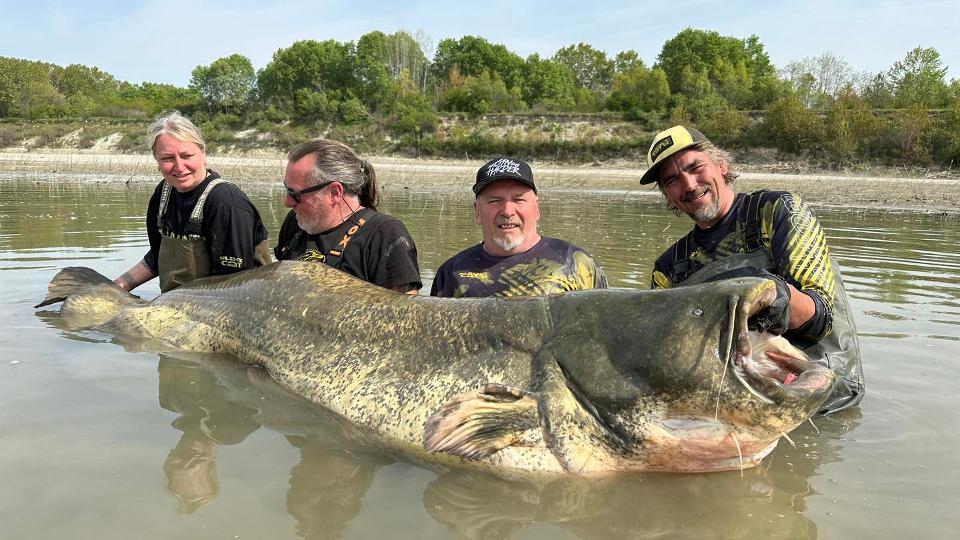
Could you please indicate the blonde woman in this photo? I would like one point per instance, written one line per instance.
(198, 224)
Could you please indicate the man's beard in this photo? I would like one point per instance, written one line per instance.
(309, 224)
(707, 213)
(508, 242)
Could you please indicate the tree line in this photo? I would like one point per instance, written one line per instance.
(402, 84)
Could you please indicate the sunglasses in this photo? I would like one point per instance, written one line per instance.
(295, 195)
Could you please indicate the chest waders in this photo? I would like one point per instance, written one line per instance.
(839, 349)
(185, 257)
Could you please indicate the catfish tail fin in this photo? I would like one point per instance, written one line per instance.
(69, 281)
(89, 298)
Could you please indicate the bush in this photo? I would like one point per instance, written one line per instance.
(725, 126)
(352, 111)
(791, 127)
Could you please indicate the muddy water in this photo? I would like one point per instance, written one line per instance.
(99, 441)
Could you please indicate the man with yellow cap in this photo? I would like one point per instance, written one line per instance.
(767, 234)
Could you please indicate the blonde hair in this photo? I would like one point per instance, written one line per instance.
(176, 125)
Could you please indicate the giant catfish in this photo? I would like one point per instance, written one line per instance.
(585, 382)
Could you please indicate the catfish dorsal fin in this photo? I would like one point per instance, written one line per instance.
(478, 423)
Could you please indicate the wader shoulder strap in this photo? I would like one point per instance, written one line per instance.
(164, 201)
(197, 214)
(752, 236)
(681, 260)
(196, 217)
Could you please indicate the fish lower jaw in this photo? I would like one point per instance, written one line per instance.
(693, 445)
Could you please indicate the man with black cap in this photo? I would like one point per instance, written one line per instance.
(768, 234)
(513, 259)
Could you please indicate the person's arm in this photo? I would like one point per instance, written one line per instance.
(137, 275)
(585, 270)
(659, 278)
(802, 307)
(799, 248)
(393, 258)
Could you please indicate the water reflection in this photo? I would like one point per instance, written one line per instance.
(208, 419)
(221, 402)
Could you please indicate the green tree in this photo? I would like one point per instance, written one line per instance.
(626, 61)
(319, 66)
(472, 55)
(76, 79)
(590, 67)
(372, 83)
(26, 90)
(226, 84)
(548, 84)
(151, 98)
(698, 51)
(639, 89)
(878, 92)
(918, 79)
(484, 93)
(850, 126)
(405, 53)
(694, 84)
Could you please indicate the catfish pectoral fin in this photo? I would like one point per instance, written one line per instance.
(478, 423)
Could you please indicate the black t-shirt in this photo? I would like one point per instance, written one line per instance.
(379, 249)
(551, 266)
(231, 225)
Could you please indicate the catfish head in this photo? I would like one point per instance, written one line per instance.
(672, 380)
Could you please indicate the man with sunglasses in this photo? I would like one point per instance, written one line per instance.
(332, 195)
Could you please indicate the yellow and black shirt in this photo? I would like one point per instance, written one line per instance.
(551, 266)
(775, 221)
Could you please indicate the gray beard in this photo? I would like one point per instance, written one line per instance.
(708, 213)
(507, 244)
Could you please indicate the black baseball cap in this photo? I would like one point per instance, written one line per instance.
(503, 168)
(667, 143)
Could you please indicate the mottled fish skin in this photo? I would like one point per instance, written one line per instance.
(586, 382)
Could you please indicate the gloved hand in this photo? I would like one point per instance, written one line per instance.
(774, 318)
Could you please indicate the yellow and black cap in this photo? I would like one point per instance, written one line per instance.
(503, 168)
(667, 143)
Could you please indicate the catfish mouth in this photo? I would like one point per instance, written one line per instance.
(767, 365)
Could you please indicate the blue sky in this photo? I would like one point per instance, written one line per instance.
(162, 41)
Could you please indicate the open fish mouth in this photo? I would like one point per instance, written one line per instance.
(767, 365)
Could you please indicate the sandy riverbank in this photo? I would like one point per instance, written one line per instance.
(887, 191)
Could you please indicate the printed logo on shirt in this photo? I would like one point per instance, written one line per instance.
(231, 262)
(312, 255)
(482, 276)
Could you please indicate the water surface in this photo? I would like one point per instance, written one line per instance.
(101, 441)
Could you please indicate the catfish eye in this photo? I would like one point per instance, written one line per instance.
(698, 312)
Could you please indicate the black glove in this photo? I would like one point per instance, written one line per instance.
(774, 318)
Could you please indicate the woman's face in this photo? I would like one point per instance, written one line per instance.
(182, 164)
